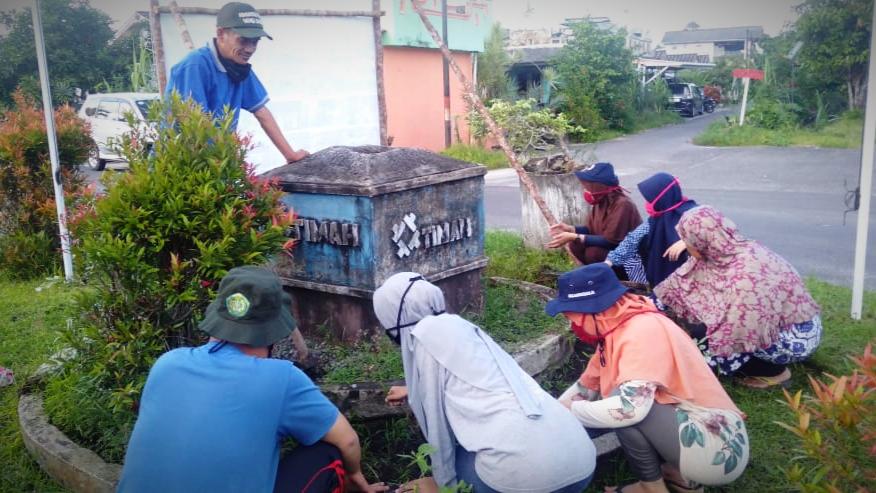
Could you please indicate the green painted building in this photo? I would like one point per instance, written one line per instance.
(468, 23)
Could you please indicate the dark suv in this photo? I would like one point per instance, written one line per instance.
(686, 98)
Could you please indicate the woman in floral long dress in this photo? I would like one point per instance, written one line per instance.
(759, 317)
(648, 381)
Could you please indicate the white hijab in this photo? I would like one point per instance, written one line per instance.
(459, 346)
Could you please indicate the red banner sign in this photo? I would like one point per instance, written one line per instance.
(748, 73)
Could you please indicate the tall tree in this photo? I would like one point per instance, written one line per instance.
(493, 65)
(836, 37)
(596, 77)
(77, 49)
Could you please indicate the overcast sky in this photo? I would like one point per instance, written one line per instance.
(653, 16)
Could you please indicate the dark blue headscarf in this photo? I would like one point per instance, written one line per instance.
(662, 232)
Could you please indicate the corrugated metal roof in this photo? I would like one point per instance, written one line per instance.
(680, 57)
(713, 35)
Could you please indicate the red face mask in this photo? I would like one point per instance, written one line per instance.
(649, 206)
(586, 338)
(594, 198)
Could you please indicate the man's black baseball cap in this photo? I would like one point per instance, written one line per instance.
(243, 19)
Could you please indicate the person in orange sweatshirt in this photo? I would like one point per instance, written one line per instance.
(649, 382)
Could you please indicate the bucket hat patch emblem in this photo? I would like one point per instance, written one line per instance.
(237, 304)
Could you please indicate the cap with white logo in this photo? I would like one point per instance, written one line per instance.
(243, 19)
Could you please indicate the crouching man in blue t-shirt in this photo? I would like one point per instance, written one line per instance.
(212, 417)
(219, 74)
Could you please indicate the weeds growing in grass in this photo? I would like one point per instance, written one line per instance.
(509, 258)
(365, 362)
(477, 154)
(845, 133)
(512, 316)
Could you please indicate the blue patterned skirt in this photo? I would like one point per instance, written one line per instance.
(795, 344)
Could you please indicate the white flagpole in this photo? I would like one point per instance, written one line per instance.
(865, 187)
(52, 138)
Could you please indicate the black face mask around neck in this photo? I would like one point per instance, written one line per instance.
(394, 333)
(237, 72)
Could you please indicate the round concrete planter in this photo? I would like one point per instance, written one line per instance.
(81, 470)
(562, 194)
(76, 468)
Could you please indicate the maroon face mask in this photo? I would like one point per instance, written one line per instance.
(594, 198)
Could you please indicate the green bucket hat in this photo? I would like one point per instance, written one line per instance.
(250, 308)
(243, 19)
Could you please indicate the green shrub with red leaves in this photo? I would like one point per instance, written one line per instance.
(29, 236)
(152, 251)
(836, 429)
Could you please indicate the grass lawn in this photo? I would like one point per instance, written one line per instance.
(845, 133)
(477, 154)
(28, 319)
(509, 258)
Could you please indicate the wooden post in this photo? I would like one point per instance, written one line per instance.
(445, 77)
(476, 102)
(181, 24)
(378, 64)
(157, 45)
(745, 82)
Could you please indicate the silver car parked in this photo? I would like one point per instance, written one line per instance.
(107, 115)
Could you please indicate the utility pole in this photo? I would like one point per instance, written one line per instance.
(865, 187)
(53, 141)
(446, 74)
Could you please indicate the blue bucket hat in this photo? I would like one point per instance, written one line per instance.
(599, 173)
(589, 289)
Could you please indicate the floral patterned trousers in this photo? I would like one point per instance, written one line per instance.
(708, 446)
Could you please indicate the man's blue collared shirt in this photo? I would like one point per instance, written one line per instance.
(201, 76)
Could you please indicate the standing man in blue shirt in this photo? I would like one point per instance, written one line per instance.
(219, 74)
(212, 417)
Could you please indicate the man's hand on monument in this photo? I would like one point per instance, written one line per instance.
(297, 156)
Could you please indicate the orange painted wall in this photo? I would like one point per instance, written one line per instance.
(415, 97)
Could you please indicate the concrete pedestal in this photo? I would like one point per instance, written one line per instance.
(366, 213)
(350, 316)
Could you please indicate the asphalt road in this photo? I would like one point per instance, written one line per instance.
(790, 199)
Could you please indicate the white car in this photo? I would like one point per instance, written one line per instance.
(106, 114)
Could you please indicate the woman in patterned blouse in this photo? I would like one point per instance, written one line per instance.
(758, 315)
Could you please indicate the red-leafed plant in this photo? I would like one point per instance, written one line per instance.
(836, 428)
(29, 239)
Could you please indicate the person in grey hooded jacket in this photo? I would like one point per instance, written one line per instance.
(489, 423)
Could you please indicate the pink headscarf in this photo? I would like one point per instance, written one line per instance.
(743, 292)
